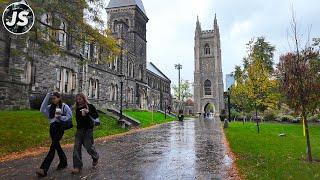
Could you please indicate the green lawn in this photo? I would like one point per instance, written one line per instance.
(268, 156)
(24, 129)
(148, 118)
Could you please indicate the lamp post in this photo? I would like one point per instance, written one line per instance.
(121, 91)
(179, 67)
(121, 75)
(165, 109)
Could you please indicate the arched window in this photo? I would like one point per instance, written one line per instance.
(207, 87)
(207, 49)
(97, 89)
(141, 73)
(130, 69)
(129, 95)
(112, 94)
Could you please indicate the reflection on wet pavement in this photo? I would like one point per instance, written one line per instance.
(191, 149)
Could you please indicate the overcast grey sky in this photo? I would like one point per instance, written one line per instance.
(170, 30)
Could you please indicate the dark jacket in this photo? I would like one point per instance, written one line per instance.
(85, 122)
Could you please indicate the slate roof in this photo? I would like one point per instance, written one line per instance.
(125, 3)
(151, 67)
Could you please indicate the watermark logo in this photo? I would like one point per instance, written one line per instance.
(18, 18)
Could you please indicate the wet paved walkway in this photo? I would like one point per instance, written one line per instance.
(192, 149)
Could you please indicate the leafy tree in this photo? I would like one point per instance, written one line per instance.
(238, 74)
(260, 50)
(185, 91)
(76, 14)
(299, 79)
(255, 88)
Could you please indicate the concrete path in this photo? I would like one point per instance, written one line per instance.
(192, 149)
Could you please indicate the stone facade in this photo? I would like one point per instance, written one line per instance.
(208, 78)
(23, 80)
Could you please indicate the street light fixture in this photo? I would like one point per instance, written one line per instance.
(179, 67)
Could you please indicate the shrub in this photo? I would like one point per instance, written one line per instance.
(269, 116)
(234, 113)
(284, 118)
(313, 118)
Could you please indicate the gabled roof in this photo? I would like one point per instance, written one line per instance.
(125, 3)
(151, 67)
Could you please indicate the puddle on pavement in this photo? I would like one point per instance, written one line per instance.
(227, 161)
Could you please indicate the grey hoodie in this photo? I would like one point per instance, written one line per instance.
(66, 111)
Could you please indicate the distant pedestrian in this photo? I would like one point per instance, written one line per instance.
(85, 113)
(57, 113)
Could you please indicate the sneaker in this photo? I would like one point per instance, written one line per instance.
(41, 173)
(75, 171)
(95, 162)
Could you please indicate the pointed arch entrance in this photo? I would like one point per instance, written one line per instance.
(209, 108)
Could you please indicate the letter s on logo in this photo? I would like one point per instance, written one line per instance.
(23, 17)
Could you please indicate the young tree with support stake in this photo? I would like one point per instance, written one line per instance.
(299, 79)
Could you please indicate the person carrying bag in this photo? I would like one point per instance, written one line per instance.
(59, 116)
(86, 116)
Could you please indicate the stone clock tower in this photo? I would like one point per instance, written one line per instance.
(208, 78)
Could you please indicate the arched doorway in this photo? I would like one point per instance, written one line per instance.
(209, 109)
(142, 100)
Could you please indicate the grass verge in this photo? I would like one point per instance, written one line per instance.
(20, 130)
(269, 156)
(148, 118)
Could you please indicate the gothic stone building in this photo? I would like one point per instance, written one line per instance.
(208, 82)
(144, 85)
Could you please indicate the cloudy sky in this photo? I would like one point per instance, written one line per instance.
(170, 30)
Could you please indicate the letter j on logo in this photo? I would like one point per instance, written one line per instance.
(18, 18)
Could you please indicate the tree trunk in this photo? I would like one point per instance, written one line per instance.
(257, 120)
(309, 155)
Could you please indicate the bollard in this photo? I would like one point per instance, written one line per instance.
(226, 123)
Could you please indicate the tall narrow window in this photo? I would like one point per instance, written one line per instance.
(74, 80)
(207, 49)
(62, 35)
(116, 92)
(207, 87)
(86, 50)
(112, 92)
(140, 73)
(66, 81)
(90, 87)
(96, 89)
(129, 95)
(59, 79)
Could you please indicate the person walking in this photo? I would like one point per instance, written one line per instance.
(85, 113)
(57, 113)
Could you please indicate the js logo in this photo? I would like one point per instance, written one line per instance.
(18, 18)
